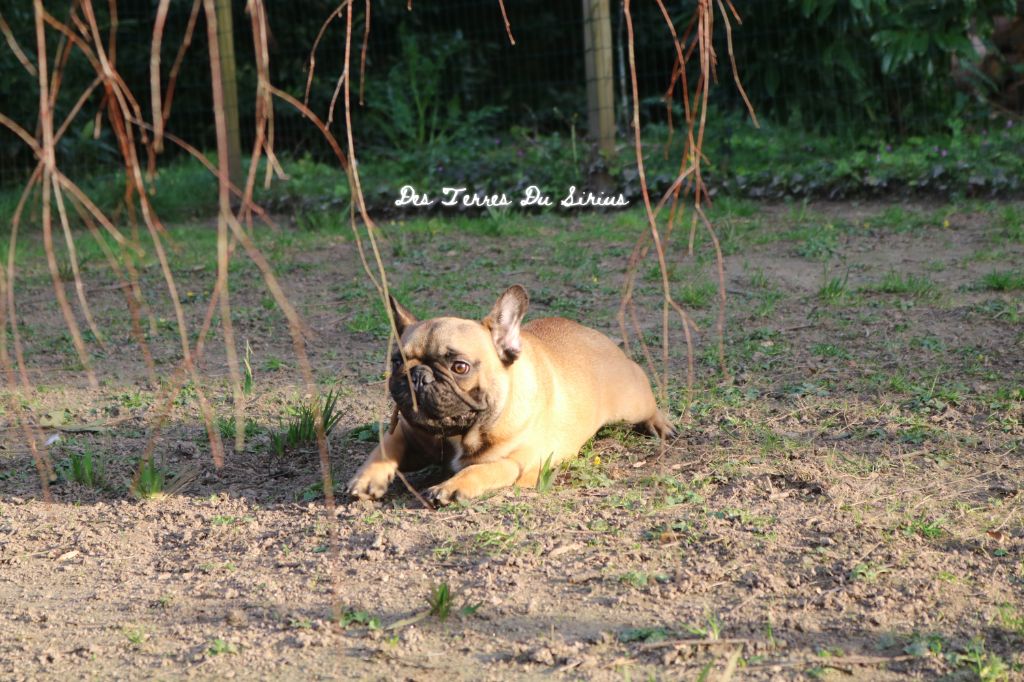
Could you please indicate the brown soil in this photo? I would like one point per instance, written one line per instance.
(849, 505)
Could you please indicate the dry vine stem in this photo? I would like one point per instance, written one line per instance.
(688, 177)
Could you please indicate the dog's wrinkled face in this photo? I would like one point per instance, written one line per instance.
(454, 374)
(445, 361)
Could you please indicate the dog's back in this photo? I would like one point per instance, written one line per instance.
(591, 364)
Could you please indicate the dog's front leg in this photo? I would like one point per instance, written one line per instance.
(475, 480)
(377, 472)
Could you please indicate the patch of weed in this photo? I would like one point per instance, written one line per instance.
(149, 480)
(918, 286)
(221, 646)
(301, 429)
(85, 468)
(1002, 280)
(834, 290)
(828, 350)
(925, 528)
(546, 477)
(440, 601)
(361, 618)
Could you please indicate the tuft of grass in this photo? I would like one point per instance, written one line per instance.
(301, 430)
(362, 618)
(867, 572)
(440, 601)
(1005, 280)
(918, 286)
(699, 295)
(227, 427)
(1011, 223)
(546, 477)
(85, 468)
(137, 636)
(65, 271)
(988, 666)
(149, 481)
(828, 350)
(924, 528)
(710, 629)
(221, 646)
(494, 542)
(833, 290)
(1011, 619)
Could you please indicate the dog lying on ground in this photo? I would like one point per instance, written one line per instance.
(495, 400)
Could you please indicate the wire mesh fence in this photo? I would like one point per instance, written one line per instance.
(440, 70)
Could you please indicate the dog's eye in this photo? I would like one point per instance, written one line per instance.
(460, 367)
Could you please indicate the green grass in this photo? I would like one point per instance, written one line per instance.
(136, 636)
(1006, 280)
(546, 477)
(925, 528)
(828, 350)
(918, 286)
(301, 429)
(220, 646)
(150, 480)
(362, 618)
(440, 601)
(227, 426)
(85, 468)
(834, 290)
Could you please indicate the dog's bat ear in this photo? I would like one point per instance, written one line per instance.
(505, 320)
(403, 318)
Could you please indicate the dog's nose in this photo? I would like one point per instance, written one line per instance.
(421, 376)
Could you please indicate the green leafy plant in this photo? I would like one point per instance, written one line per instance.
(413, 108)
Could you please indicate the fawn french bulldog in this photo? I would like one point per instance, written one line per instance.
(494, 399)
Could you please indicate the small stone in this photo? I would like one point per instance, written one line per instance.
(236, 617)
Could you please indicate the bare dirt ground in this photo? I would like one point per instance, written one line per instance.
(847, 505)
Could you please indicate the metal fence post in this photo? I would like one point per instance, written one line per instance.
(226, 43)
(597, 55)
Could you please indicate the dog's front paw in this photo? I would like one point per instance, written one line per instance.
(445, 493)
(372, 481)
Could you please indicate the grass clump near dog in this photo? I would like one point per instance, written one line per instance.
(300, 431)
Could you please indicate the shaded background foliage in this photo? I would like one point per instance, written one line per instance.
(445, 90)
